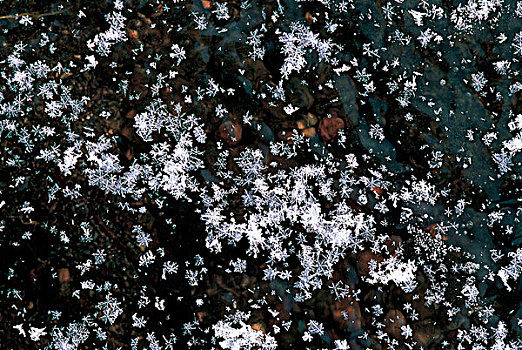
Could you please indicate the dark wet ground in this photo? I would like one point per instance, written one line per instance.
(433, 108)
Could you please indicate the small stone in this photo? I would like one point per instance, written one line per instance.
(329, 128)
(364, 258)
(133, 34)
(259, 327)
(311, 119)
(309, 132)
(201, 315)
(426, 335)
(285, 136)
(393, 321)
(63, 275)
(230, 132)
(131, 114)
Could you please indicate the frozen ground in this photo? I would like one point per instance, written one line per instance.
(260, 174)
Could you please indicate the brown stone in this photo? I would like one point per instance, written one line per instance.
(426, 335)
(129, 154)
(432, 229)
(309, 132)
(133, 34)
(259, 327)
(378, 190)
(308, 121)
(63, 275)
(285, 136)
(230, 132)
(131, 114)
(301, 124)
(201, 315)
(353, 312)
(393, 321)
(363, 260)
(393, 243)
(329, 128)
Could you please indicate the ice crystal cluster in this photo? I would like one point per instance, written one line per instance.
(260, 174)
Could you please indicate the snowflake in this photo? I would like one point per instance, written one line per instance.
(139, 322)
(110, 309)
(478, 81)
(517, 43)
(142, 238)
(221, 11)
(147, 259)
